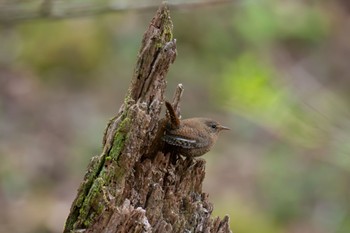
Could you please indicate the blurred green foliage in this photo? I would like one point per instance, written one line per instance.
(60, 51)
(250, 88)
(264, 22)
(245, 217)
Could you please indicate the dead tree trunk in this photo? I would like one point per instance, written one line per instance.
(133, 186)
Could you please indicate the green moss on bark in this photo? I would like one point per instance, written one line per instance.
(91, 203)
(119, 139)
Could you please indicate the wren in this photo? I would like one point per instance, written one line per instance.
(191, 137)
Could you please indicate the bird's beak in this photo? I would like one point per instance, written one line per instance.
(223, 128)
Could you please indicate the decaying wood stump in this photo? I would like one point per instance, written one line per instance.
(133, 186)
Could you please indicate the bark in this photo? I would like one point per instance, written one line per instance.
(133, 186)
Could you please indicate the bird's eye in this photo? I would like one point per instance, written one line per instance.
(213, 126)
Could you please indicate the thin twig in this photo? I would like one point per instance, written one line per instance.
(57, 10)
(177, 98)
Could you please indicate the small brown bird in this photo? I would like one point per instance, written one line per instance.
(191, 137)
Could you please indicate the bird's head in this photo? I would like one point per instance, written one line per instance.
(213, 126)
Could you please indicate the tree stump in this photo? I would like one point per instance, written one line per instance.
(133, 186)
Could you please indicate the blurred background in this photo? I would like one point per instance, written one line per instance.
(276, 72)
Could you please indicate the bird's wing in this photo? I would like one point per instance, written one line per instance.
(182, 142)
